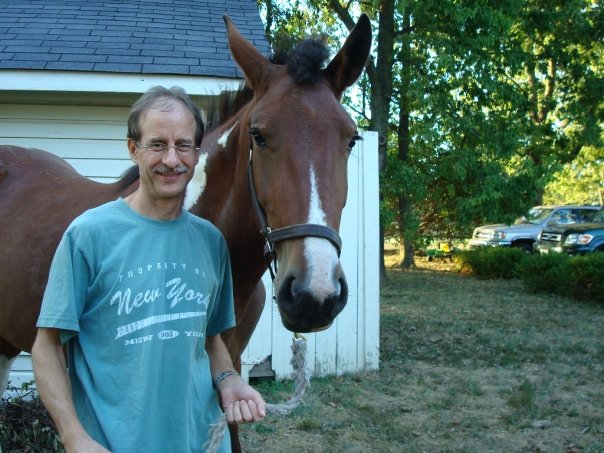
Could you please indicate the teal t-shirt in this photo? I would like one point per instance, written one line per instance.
(134, 299)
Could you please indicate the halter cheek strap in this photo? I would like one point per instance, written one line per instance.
(289, 232)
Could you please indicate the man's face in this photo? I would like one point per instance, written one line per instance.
(165, 176)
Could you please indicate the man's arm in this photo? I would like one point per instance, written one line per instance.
(241, 403)
(54, 388)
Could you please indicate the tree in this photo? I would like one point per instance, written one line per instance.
(380, 75)
(580, 181)
(503, 86)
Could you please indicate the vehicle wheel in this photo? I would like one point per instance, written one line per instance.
(526, 246)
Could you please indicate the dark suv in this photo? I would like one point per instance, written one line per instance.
(578, 238)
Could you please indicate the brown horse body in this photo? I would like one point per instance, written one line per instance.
(40, 194)
(295, 135)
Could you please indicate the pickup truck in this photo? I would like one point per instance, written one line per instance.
(576, 239)
(525, 232)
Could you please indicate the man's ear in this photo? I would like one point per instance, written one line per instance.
(133, 150)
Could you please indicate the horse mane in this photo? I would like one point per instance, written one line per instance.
(127, 178)
(226, 105)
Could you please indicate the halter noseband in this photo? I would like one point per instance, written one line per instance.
(289, 232)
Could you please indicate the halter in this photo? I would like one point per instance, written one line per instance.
(289, 232)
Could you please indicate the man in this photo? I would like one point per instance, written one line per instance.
(139, 292)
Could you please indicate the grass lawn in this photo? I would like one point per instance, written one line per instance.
(467, 365)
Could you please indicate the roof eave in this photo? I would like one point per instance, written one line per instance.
(105, 82)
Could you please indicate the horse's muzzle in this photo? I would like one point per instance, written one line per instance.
(303, 311)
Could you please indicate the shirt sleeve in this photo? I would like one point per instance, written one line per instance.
(222, 314)
(65, 294)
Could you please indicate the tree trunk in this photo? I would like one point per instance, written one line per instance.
(380, 76)
(404, 203)
(379, 72)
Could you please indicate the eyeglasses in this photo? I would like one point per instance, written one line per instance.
(159, 148)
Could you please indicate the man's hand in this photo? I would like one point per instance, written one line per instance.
(241, 403)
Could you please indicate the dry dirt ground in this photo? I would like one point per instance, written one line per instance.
(467, 365)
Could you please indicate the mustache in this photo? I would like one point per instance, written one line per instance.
(165, 169)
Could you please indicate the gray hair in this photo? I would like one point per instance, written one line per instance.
(157, 93)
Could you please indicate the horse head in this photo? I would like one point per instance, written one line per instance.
(299, 139)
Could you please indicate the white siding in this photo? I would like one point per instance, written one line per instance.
(92, 139)
(21, 371)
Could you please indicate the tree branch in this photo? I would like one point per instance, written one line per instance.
(550, 85)
(533, 97)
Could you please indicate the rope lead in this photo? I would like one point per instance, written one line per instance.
(301, 382)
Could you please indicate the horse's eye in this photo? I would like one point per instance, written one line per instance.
(258, 138)
(354, 142)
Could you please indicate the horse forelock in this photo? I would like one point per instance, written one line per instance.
(304, 61)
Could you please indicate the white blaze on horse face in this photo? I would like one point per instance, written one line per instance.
(224, 138)
(197, 184)
(321, 256)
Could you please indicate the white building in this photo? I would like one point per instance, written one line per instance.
(68, 76)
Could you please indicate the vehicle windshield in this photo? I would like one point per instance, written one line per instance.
(537, 215)
(599, 217)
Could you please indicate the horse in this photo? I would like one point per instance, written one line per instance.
(272, 177)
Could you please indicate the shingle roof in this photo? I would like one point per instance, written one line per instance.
(143, 37)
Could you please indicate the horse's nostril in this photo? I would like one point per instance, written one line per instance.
(341, 299)
(295, 287)
(303, 311)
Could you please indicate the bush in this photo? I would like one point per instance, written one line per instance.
(490, 262)
(546, 273)
(581, 277)
(25, 425)
(587, 274)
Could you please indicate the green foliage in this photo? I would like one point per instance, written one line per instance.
(546, 273)
(490, 262)
(581, 277)
(489, 87)
(580, 181)
(587, 274)
(288, 22)
(25, 425)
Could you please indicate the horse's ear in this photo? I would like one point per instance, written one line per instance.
(347, 65)
(253, 64)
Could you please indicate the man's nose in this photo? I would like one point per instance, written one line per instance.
(171, 155)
